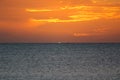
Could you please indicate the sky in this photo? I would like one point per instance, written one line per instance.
(52, 21)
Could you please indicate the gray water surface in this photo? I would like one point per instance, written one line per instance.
(60, 61)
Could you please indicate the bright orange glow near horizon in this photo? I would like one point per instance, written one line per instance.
(36, 21)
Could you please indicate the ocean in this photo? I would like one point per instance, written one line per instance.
(63, 61)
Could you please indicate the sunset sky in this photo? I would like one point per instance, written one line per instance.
(51, 21)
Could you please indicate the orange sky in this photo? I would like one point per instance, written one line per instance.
(51, 21)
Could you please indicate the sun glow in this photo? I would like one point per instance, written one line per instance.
(59, 20)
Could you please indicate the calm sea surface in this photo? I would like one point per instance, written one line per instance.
(60, 61)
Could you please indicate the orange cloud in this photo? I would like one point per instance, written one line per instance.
(38, 10)
(106, 1)
(81, 34)
(59, 9)
(78, 13)
(55, 20)
(101, 30)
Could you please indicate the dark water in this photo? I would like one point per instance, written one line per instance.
(59, 61)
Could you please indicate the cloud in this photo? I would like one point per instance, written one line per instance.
(80, 2)
(81, 34)
(62, 21)
(38, 10)
(101, 30)
(106, 1)
(75, 13)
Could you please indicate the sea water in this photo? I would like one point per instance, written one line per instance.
(60, 61)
